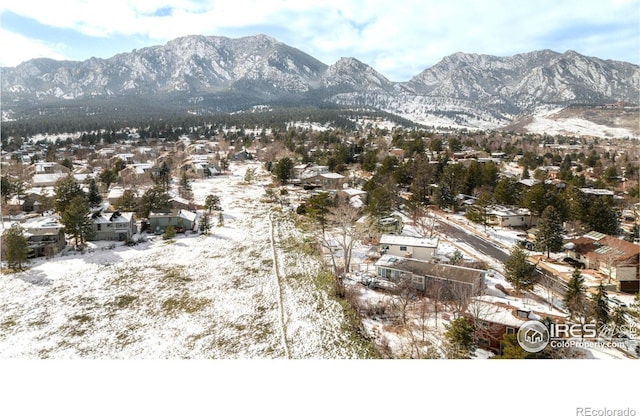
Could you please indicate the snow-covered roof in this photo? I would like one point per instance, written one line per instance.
(405, 240)
(113, 217)
(188, 215)
(44, 179)
(331, 175)
(594, 191)
(529, 182)
(495, 313)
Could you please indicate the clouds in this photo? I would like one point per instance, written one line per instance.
(398, 38)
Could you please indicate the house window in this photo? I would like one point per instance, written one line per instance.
(99, 227)
(403, 248)
(510, 330)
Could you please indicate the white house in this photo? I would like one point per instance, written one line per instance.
(113, 225)
(406, 246)
(505, 217)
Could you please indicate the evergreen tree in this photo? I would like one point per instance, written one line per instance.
(490, 172)
(379, 203)
(65, 190)
(169, 232)
(450, 185)
(212, 203)
(249, 175)
(369, 160)
(127, 202)
(549, 235)
(518, 271)
(283, 170)
(505, 191)
(6, 189)
(15, 247)
(459, 337)
(603, 217)
(575, 299)
(94, 196)
(600, 306)
(318, 208)
(511, 349)
(107, 177)
(422, 178)
(205, 223)
(153, 200)
(185, 184)
(162, 176)
(77, 220)
(18, 189)
(220, 219)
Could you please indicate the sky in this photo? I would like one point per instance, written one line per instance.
(399, 38)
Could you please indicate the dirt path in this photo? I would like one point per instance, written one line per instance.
(276, 272)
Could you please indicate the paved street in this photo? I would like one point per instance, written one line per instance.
(482, 245)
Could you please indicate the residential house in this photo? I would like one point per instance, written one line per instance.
(510, 217)
(406, 246)
(45, 238)
(119, 226)
(614, 258)
(451, 281)
(326, 181)
(494, 317)
(182, 220)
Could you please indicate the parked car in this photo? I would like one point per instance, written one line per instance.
(573, 262)
(618, 303)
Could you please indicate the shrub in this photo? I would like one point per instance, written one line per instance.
(169, 232)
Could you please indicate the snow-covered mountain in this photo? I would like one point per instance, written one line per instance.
(222, 74)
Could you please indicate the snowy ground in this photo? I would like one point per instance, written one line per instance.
(246, 290)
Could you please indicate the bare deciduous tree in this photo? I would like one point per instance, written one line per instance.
(344, 217)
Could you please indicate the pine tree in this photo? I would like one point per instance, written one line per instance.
(107, 177)
(511, 349)
(15, 247)
(518, 271)
(459, 337)
(65, 190)
(169, 232)
(603, 217)
(600, 306)
(212, 202)
(220, 219)
(76, 219)
(94, 196)
(6, 189)
(127, 202)
(283, 170)
(318, 208)
(575, 299)
(185, 185)
(249, 175)
(549, 235)
(205, 223)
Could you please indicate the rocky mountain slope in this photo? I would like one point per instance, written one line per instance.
(208, 74)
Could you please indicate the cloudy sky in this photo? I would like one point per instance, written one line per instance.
(399, 38)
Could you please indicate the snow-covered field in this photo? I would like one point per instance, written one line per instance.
(246, 290)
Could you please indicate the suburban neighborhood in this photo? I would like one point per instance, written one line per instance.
(437, 244)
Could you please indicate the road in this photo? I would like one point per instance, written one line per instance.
(483, 246)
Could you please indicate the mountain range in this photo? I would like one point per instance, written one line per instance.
(206, 74)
